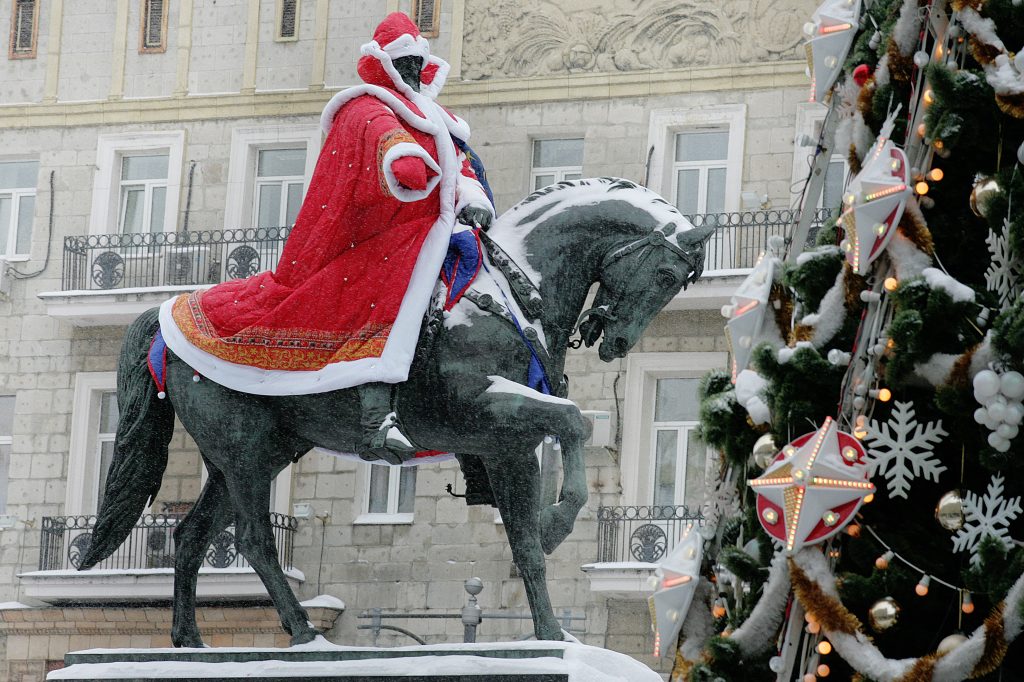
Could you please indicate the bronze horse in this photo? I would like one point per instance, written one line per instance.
(466, 392)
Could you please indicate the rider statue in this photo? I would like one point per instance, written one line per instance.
(344, 306)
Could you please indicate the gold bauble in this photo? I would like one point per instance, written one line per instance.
(949, 643)
(883, 614)
(949, 512)
(985, 187)
(764, 451)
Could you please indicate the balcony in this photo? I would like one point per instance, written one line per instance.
(142, 568)
(111, 278)
(630, 543)
(734, 247)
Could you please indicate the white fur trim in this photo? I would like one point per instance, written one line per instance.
(469, 192)
(393, 364)
(433, 88)
(404, 45)
(424, 124)
(402, 150)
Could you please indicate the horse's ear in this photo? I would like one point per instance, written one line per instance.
(697, 235)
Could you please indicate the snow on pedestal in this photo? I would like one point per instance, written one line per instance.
(555, 661)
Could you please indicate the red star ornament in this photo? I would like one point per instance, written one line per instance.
(814, 487)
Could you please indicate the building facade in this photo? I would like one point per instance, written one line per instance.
(150, 147)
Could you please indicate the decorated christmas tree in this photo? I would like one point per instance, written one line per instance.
(872, 463)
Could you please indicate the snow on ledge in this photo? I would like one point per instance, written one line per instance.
(11, 605)
(580, 662)
(324, 601)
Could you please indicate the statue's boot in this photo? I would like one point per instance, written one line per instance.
(382, 438)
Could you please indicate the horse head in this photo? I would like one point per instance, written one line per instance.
(637, 280)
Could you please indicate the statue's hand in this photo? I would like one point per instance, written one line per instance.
(474, 216)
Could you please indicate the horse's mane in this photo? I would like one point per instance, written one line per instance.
(537, 205)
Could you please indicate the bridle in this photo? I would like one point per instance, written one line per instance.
(600, 314)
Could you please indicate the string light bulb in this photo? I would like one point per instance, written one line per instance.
(936, 174)
(853, 530)
(814, 628)
(921, 188)
(823, 670)
(922, 586)
(882, 562)
(929, 96)
(884, 395)
(824, 647)
(966, 603)
(920, 130)
(869, 498)
(891, 284)
(718, 611)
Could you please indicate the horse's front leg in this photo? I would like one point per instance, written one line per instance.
(541, 415)
(515, 480)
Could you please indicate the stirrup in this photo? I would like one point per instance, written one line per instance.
(389, 443)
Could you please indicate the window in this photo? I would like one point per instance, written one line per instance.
(17, 207)
(390, 494)
(287, 20)
(427, 15)
(137, 183)
(153, 35)
(24, 28)
(93, 424)
(663, 460)
(555, 161)
(678, 454)
(699, 170)
(105, 440)
(268, 173)
(280, 180)
(6, 439)
(809, 120)
(143, 193)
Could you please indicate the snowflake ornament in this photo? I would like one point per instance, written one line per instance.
(987, 516)
(1006, 268)
(902, 449)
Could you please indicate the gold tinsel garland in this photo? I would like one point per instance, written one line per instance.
(913, 227)
(834, 617)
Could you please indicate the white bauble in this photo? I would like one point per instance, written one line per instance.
(921, 59)
(775, 664)
(1007, 431)
(1014, 414)
(996, 411)
(981, 415)
(949, 643)
(986, 385)
(998, 443)
(1011, 385)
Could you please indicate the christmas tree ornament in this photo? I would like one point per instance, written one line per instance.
(1020, 149)
(875, 200)
(922, 586)
(966, 603)
(832, 29)
(679, 574)
(986, 516)
(861, 74)
(883, 614)
(921, 59)
(949, 511)
(764, 451)
(985, 187)
(814, 487)
(949, 643)
(749, 322)
(902, 449)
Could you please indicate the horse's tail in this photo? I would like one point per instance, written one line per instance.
(140, 447)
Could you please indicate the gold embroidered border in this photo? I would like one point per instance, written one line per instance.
(387, 141)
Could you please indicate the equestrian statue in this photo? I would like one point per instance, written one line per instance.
(354, 345)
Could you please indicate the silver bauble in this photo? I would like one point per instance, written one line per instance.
(764, 451)
(949, 643)
(985, 187)
(883, 614)
(949, 512)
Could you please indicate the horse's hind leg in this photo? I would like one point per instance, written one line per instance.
(251, 498)
(516, 483)
(210, 515)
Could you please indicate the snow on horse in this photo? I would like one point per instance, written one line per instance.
(486, 384)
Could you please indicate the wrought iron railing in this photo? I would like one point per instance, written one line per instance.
(641, 533)
(65, 540)
(739, 238)
(160, 259)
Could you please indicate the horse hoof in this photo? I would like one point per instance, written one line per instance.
(188, 642)
(305, 637)
(554, 528)
(550, 634)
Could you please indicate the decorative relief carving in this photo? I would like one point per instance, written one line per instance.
(511, 38)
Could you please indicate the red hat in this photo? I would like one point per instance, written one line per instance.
(397, 36)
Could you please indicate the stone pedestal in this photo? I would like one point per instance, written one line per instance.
(321, 661)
